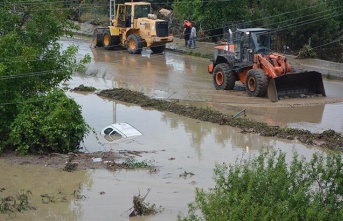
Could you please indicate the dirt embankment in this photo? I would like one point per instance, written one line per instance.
(80, 160)
(328, 139)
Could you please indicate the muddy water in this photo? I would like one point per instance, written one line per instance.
(174, 145)
(185, 79)
(43, 180)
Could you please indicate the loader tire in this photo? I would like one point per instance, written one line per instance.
(158, 49)
(134, 44)
(223, 77)
(256, 83)
(97, 38)
(107, 40)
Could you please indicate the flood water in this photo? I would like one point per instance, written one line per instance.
(184, 78)
(174, 144)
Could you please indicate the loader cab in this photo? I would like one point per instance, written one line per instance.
(142, 11)
(129, 12)
(249, 42)
(124, 13)
(261, 42)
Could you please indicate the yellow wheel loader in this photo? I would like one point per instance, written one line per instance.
(247, 57)
(133, 27)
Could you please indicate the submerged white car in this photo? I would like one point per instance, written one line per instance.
(119, 131)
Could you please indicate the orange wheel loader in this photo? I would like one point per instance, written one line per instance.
(247, 58)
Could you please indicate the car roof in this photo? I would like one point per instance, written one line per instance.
(124, 129)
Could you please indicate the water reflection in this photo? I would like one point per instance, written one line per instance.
(331, 119)
(100, 112)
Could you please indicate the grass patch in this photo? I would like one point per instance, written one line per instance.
(132, 163)
(329, 77)
(198, 54)
(84, 88)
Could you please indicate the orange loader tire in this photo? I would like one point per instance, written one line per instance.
(223, 77)
(134, 44)
(107, 40)
(256, 83)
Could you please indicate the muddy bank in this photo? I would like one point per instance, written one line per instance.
(80, 160)
(328, 139)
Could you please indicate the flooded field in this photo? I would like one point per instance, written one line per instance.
(173, 144)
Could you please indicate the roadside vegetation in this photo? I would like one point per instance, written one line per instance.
(53, 125)
(267, 187)
(295, 23)
(35, 117)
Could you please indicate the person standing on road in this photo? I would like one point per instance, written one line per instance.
(193, 37)
(187, 26)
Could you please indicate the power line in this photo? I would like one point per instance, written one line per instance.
(273, 15)
(32, 74)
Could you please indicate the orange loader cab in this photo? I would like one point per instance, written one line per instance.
(247, 57)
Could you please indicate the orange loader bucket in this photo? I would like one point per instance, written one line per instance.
(296, 85)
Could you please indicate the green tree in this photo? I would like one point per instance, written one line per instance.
(32, 62)
(298, 22)
(337, 6)
(294, 22)
(267, 188)
(50, 123)
(212, 16)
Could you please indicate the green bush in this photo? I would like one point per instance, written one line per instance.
(54, 123)
(306, 52)
(267, 188)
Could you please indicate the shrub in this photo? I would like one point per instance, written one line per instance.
(55, 124)
(306, 52)
(267, 188)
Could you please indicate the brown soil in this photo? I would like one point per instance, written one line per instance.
(74, 161)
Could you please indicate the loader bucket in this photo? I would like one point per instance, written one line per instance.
(97, 37)
(296, 85)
